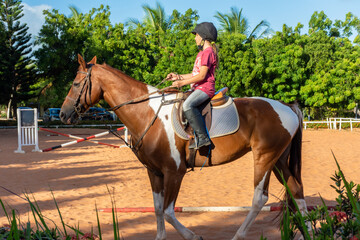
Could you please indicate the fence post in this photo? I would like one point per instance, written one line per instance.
(340, 123)
(126, 134)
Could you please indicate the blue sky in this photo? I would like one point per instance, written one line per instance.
(276, 12)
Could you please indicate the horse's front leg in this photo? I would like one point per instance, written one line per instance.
(172, 183)
(157, 185)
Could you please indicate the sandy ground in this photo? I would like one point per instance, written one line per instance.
(80, 176)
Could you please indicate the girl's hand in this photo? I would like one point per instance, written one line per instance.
(172, 77)
(177, 84)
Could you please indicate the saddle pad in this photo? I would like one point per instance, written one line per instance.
(224, 121)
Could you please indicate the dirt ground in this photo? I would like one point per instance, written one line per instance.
(80, 176)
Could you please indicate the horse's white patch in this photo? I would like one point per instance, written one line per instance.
(287, 116)
(258, 202)
(259, 197)
(165, 117)
(158, 201)
(169, 211)
(302, 205)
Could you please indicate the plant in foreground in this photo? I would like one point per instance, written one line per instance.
(17, 230)
(342, 223)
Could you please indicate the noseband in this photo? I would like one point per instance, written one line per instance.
(86, 87)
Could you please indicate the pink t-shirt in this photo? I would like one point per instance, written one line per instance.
(207, 58)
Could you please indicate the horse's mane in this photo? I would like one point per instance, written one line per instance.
(126, 77)
(117, 72)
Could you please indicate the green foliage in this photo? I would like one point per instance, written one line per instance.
(342, 223)
(17, 69)
(320, 70)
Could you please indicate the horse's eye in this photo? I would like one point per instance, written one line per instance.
(76, 84)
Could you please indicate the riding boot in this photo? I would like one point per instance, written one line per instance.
(197, 122)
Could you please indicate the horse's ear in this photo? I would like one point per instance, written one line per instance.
(93, 61)
(81, 61)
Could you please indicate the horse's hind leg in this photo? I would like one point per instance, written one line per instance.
(295, 185)
(262, 174)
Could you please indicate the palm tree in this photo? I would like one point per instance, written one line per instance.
(154, 18)
(235, 22)
(75, 13)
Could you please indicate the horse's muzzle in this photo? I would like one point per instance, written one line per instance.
(69, 117)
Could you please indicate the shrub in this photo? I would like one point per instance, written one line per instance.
(341, 223)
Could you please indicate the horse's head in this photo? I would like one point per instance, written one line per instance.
(84, 93)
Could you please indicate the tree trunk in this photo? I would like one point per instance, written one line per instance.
(9, 112)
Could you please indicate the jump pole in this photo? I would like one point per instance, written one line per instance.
(76, 137)
(79, 140)
(202, 209)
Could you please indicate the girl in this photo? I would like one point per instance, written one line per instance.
(202, 80)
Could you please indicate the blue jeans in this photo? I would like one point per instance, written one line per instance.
(195, 99)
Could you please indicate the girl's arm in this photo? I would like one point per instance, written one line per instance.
(175, 76)
(192, 79)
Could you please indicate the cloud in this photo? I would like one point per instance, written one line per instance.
(33, 17)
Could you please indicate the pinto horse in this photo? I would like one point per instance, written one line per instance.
(270, 129)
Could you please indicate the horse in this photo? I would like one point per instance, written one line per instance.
(272, 130)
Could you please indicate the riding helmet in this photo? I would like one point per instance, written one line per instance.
(207, 31)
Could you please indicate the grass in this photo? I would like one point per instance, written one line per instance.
(17, 230)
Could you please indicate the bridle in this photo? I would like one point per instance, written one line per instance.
(85, 87)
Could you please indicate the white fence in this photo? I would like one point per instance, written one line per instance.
(335, 123)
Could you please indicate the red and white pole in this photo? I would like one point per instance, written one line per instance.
(80, 140)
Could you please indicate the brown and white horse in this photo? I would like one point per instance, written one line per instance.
(270, 129)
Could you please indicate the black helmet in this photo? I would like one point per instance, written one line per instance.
(207, 31)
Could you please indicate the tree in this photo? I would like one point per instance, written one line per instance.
(235, 22)
(60, 39)
(155, 18)
(18, 72)
(3, 83)
(155, 22)
(178, 50)
(334, 83)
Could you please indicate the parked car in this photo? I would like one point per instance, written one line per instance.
(52, 114)
(97, 113)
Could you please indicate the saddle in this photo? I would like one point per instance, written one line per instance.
(219, 99)
(220, 115)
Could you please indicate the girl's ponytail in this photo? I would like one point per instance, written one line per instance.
(216, 51)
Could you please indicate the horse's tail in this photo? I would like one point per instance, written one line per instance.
(296, 145)
(294, 163)
(293, 157)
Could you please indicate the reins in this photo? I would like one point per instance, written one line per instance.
(87, 85)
